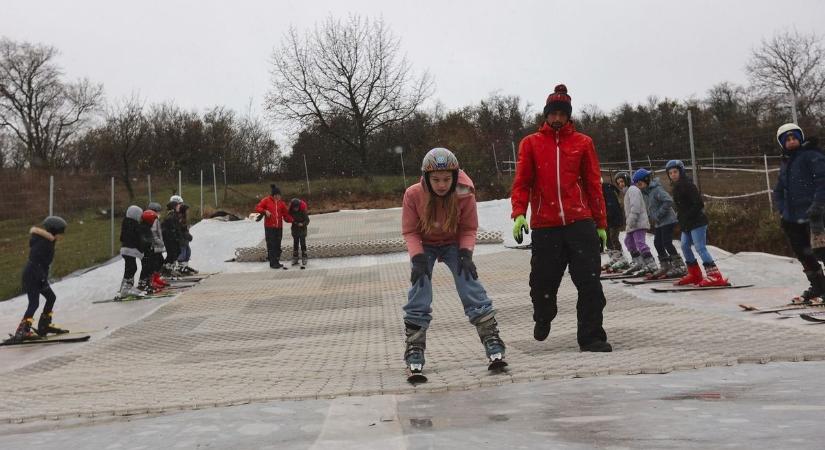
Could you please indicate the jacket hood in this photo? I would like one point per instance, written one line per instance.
(654, 184)
(37, 231)
(134, 212)
(812, 143)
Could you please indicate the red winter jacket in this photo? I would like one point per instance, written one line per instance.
(558, 174)
(277, 209)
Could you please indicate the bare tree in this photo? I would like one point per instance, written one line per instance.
(351, 69)
(791, 65)
(41, 109)
(126, 129)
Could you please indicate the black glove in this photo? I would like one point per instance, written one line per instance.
(419, 268)
(466, 265)
(816, 211)
(260, 216)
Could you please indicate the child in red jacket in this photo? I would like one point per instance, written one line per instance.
(439, 221)
(276, 212)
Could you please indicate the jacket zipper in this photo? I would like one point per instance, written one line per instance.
(558, 179)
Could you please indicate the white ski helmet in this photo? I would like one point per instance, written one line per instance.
(134, 212)
(789, 127)
(439, 159)
(176, 199)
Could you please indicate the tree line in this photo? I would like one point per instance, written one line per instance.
(356, 107)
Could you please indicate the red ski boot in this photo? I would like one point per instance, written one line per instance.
(713, 277)
(694, 275)
(158, 282)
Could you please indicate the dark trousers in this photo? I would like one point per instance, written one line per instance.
(613, 242)
(555, 249)
(130, 267)
(273, 244)
(299, 241)
(799, 238)
(663, 240)
(172, 252)
(36, 284)
(150, 264)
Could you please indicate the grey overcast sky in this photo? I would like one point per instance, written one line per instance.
(205, 53)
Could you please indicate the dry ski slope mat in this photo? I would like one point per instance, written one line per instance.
(238, 338)
(351, 233)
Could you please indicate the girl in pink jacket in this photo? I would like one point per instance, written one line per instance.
(439, 223)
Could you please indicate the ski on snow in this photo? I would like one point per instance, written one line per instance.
(56, 339)
(697, 288)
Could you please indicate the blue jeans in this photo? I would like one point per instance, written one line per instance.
(697, 237)
(185, 253)
(418, 310)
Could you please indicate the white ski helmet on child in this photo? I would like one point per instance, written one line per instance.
(439, 159)
(789, 128)
(176, 199)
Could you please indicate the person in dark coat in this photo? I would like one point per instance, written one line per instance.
(615, 222)
(300, 222)
(135, 240)
(36, 280)
(185, 238)
(800, 198)
(172, 235)
(690, 213)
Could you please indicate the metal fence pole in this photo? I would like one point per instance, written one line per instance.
(513, 149)
(693, 153)
(649, 162)
(403, 170)
(201, 210)
(224, 181)
(627, 144)
(112, 217)
(51, 195)
(793, 107)
(149, 186)
(180, 184)
(306, 171)
(713, 162)
(768, 183)
(495, 158)
(215, 183)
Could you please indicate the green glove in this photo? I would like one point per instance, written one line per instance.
(518, 227)
(603, 236)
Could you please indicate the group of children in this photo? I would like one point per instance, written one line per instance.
(144, 236)
(644, 201)
(275, 212)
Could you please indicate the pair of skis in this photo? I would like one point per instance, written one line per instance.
(811, 311)
(131, 298)
(415, 372)
(54, 339)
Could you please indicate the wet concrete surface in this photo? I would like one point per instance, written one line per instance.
(773, 406)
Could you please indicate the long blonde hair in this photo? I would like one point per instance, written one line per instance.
(427, 221)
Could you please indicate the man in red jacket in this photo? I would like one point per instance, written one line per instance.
(558, 175)
(276, 213)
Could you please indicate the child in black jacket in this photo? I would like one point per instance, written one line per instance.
(135, 240)
(300, 222)
(36, 280)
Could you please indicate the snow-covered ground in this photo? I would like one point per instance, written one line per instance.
(776, 279)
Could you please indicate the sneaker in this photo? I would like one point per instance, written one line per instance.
(597, 346)
(541, 330)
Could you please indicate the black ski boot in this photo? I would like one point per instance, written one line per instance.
(487, 328)
(541, 330)
(45, 326)
(24, 331)
(414, 354)
(295, 258)
(815, 290)
(304, 259)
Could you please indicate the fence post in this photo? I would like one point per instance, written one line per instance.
(515, 161)
(51, 195)
(649, 162)
(495, 158)
(403, 170)
(224, 181)
(693, 153)
(215, 183)
(180, 185)
(201, 210)
(627, 144)
(768, 182)
(306, 171)
(112, 217)
(793, 107)
(713, 162)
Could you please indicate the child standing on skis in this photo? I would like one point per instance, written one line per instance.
(147, 264)
(171, 231)
(439, 223)
(158, 248)
(637, 225)
(135, 239)
(36, 280)
(690, 211)
(185, 239)
(300, 222)
(615, 222)
(660, 210)
(800, 198)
